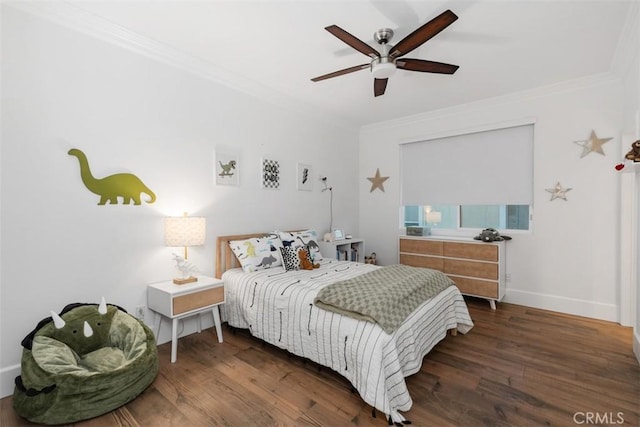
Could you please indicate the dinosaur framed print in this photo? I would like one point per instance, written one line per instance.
(304, 181)
(227, 167)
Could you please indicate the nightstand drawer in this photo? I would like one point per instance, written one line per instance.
(195, 300)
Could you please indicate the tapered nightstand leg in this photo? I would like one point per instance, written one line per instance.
(492, 303)
(216, 320)
(156, 329)
(174, 340)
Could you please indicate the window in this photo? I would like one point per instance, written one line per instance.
(453, 217)
(470, 181)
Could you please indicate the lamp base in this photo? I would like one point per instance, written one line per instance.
(185, 280)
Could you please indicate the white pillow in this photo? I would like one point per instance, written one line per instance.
(302, 239)
(258, 253)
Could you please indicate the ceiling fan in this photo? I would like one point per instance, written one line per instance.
(384, 63)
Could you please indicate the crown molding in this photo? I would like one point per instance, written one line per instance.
(519, 96)
(74, 18)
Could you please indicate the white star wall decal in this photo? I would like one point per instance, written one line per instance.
(593, 144)
(558, 192)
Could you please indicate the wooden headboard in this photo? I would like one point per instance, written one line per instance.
(225, 258)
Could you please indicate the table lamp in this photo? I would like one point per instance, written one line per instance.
(184, 231)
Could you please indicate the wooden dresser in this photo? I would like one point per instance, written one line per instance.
(477, 268)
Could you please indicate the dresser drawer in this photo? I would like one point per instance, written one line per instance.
(195, 300)
(481, 288)
(474, 251)
(422, 261)
(417, 246)
(481, 270)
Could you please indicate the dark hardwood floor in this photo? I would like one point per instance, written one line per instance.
(517, 367)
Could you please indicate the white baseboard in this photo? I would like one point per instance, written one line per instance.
(636, 345)
(578, 307)
(7, 380)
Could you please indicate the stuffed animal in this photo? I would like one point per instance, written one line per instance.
(305, 260)
(634, 153)
(491, 235)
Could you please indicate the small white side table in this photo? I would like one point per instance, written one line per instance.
(179, 301)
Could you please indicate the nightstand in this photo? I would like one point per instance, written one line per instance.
(179, 301)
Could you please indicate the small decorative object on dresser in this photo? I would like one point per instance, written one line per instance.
(477, 268)
(176, 302)
(418, 231)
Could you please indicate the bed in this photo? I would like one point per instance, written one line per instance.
(277, 306)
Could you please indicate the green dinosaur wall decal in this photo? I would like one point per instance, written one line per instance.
(109, 188)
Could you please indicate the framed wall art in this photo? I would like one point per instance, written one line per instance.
(270, 174)
(227, 167)
(304, 180)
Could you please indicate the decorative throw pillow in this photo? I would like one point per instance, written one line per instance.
(258, 253)
(302, 239)
(290, 258)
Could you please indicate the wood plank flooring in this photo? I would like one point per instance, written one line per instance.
(517, 367)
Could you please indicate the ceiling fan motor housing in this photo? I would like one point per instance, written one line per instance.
(383, 35)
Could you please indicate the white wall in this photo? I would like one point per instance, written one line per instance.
(568, 261)
(129, 113)
(631, 234)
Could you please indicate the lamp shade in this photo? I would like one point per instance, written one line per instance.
(184, 230)
(434, 217)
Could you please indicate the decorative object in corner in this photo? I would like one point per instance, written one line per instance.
(593, 144)
(270, 174)
(558, 192)
(633, 155)
(304, 181)
(227, 166)
(377, 181)
(109, 188)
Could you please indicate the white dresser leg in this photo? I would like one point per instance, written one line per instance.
(492, 303)
(216, 320)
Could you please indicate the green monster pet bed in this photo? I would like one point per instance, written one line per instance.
(87, 361)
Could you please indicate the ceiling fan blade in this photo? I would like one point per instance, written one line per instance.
(341, 72)
(426, 66)
(424, 33)
(379, 86)
(353, 41)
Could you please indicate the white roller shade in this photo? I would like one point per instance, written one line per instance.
(485, 168)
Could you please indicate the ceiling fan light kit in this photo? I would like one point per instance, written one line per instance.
(383, 68)
(385, 62)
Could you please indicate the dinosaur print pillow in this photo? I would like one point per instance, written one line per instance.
(302, 239)
(258, 253)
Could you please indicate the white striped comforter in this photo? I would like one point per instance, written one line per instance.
(277, 307)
